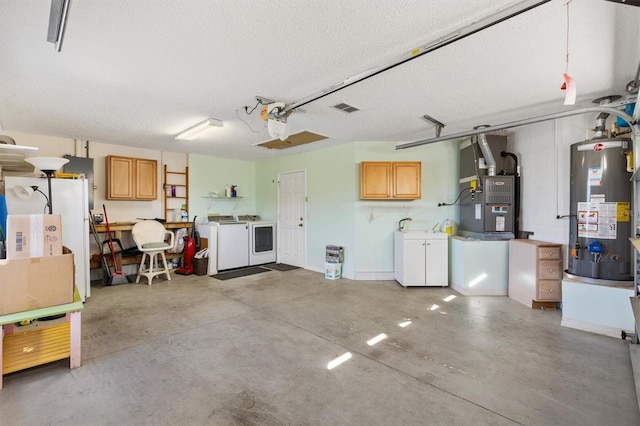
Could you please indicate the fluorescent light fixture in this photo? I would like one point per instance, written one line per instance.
(376, 339)
(433, 307)
(449, 298)
(336, 362)
(199, 128)
(405, 323)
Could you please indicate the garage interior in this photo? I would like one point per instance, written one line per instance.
(320, 89)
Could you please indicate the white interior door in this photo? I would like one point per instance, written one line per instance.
(291, 217)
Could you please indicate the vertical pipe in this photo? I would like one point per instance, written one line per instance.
(486, 153)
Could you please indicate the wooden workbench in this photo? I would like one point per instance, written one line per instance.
(128, 226)
(117, 228)
(20, 350)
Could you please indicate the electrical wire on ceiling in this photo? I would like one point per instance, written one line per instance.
(249, 110)
(246, 123)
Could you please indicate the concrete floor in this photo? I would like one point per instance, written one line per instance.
(255, 350)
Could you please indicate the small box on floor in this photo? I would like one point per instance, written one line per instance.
(332, 271)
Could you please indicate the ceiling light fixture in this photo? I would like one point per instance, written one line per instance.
(193, 132)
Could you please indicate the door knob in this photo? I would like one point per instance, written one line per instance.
(300, 225)
(300, 218)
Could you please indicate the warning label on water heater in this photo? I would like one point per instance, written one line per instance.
(597, 220)
(595, 176)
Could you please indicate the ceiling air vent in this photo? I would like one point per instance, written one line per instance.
(345, 108)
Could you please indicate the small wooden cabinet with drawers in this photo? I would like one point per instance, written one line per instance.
(535, 271)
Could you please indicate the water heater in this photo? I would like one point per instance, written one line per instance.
(601, 198)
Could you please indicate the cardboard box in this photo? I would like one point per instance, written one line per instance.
(36, 282)
(33, 235)
(332, 271)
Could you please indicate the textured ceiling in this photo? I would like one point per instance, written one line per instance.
(139, 72)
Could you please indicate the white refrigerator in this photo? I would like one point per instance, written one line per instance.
(71, 201)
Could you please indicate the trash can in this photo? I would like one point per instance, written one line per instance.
(200, 266)
(334, 257)
(332, 271)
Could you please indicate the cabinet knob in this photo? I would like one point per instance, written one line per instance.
(550, 270)
(550, 291)
(550, 253)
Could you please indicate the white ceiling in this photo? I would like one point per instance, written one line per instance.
(138, 72)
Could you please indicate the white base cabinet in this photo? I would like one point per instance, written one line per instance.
(421, 258)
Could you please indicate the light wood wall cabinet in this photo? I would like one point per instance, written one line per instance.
(535, 271)
(385, 180)
(131, 178)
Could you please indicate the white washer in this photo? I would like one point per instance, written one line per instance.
(232, 242)
(210, 232)
(233, 245)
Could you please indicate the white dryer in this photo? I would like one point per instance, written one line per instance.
(262, 240)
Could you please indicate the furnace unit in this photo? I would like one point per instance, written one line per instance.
(488, 200)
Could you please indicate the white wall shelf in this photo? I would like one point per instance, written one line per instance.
(212, 200)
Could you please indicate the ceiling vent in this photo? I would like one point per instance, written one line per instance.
(345, 108)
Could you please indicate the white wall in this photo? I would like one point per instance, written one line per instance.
(118, 211)
(543, 152)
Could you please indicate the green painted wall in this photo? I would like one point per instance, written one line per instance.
(377, 220)
(331, 192)
(335, 214)
(208, 174)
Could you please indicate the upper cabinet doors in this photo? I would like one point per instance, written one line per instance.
(384, 180)
(131, 178)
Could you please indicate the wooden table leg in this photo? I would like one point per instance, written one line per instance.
(75, 335)
(1, 342)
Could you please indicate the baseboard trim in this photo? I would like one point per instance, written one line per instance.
(604, 330)
(478, 292)
(374, 276)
